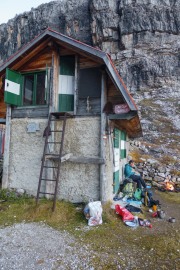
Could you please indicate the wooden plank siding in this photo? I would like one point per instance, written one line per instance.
(131, 127)
(95, 104)
(38, 50)
(2, 105)
(36, 112)
(114, 95)
(39, 62)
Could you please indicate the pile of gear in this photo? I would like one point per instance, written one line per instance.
(129, 200)
(129, 192)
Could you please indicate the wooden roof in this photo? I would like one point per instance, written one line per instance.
(44, 40)
(37, 51)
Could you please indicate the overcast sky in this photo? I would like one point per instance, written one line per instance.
(9, 8)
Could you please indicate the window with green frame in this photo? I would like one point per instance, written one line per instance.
(28, 89)
(33, 92)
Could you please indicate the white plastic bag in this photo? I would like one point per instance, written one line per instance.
(95, 212)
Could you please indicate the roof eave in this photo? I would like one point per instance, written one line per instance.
(111, 70)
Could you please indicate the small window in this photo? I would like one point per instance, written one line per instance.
(90, 83)
(34, 90)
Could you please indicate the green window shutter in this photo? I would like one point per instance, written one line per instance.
(123, 144)
(66, 103)
(13, 84)
(116, 138)
(67, 65)
(66, 83)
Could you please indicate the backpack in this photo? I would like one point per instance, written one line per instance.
(128, 189)
(138, 194)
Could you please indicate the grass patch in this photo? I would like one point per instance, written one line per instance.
(170, 196)
(168, 160)
(64, 217)
(108, 240)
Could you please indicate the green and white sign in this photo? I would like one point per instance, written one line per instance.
(66, 83)
(123, 144)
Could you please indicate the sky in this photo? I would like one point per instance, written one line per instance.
(9, 8)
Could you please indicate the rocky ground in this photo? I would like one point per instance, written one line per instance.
(38, 246)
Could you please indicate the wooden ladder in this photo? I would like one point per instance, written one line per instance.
(53, 117)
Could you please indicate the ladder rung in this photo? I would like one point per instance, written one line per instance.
(50, 167)
(47, 193)
(44, 179)
(55, 142)
(57, 119)
(56, 155)
(56, 130)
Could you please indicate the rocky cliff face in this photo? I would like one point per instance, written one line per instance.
(143, 38)
(68, 17)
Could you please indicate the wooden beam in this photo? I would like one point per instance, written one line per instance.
(56, 157)
(103, 179)
(121, 116)
(87, 160)
(56, 79)
(76, 86)
(81, 159)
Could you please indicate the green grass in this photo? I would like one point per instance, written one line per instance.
(106, 241)
(173, 197)
(65, 216)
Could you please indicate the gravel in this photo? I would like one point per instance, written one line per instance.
(37, 246)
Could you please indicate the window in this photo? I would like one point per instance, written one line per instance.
(90, 83)
(28, 89)
(34, 89)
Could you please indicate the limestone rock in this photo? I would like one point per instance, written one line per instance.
(143, 40)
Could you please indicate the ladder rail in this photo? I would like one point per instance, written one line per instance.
(43, 159)
(59, 161)
(58, 116)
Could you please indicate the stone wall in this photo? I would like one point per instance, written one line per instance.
(154, 172)
(78, 182)
(26, 151)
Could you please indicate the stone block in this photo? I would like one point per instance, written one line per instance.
(161, 169)
(159, 179)
(151, 174)
(148, 178)
(162, 175)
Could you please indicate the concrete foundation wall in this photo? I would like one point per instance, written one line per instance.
(26, 151)
(81, 182)
(78, 182)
